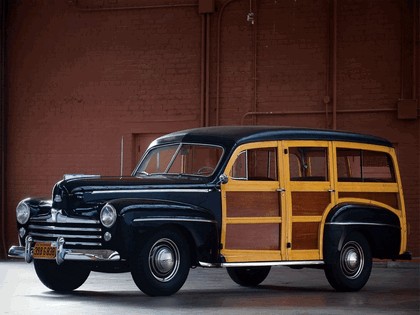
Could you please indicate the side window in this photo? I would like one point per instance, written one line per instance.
(256, 164)
(364, 166)
(308, 164)
(349, 165)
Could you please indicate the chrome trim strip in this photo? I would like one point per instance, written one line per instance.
(361, 223)
(208, 265)
(63, 219)
(202, 190)
(76, 243)
(83, 243)
(16, 252)
(62, 228)
(92, 255)
(261, 264)
(175, 219)
(65, 235)
(273, 263)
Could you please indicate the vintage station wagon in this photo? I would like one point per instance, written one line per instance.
(246, 198)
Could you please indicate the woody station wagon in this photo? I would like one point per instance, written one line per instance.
(246, 198)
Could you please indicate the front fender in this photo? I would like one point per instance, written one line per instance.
(378, 225)
(139, 217)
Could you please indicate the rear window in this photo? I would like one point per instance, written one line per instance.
(364, 166)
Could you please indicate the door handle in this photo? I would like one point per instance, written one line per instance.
(331, 190)
(280, 189)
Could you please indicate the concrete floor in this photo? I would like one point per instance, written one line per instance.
(390, 290)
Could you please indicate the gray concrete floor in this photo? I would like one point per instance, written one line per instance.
(390, 290)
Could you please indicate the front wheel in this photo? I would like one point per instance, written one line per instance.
(63, 278)
(248, 276)
(351, 266)
(162, 264)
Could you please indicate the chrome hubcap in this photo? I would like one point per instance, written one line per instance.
(352, 260)
(164, 260)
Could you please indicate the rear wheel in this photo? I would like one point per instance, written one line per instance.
(248, 276)
(162, 264)
(351, 266)
(64, 278)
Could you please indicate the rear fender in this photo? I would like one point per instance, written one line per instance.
(380, 226)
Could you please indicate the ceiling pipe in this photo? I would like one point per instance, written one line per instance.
(3, 138)
(402, 59)
(144, 7)
(207, 71)
(318, 112)
(202, 69)
(334, 74)
(415, 38)
(255, 26)
(219, 31)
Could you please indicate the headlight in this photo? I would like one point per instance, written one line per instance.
(108, 215)
(23, 212)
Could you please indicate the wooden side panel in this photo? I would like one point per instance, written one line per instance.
(390, 199)
(305, 235)
(253, 204)
(253, 236)
(309, 203)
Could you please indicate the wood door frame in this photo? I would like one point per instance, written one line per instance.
(309, 219)
(247, 255)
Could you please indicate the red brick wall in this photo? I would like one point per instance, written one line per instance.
(80, 80)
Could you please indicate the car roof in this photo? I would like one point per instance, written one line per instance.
(235, 135)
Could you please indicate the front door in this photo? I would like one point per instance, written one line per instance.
(253, 203)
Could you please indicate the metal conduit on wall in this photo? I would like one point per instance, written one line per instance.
(3, 124)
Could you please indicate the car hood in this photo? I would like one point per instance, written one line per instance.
(87, 193)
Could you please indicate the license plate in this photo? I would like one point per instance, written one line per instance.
(44, 251)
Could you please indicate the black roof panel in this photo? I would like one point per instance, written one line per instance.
(231, 135)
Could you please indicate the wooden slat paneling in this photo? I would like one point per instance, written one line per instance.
(253, 236)
(252, 204)
(305, 235)
(309, 203)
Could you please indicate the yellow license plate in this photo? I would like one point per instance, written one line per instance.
(44, 251)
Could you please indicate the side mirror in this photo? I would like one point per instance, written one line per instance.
(223, 179)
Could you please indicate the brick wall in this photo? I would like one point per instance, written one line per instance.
(79, 78)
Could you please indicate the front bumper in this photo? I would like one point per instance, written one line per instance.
(62, 253)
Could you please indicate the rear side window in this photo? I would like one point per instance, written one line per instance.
(364, 166)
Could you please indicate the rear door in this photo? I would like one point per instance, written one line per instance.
(310, 190)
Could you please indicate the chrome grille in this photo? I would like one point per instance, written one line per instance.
(76, 232)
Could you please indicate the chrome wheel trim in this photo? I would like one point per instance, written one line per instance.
(164, 260)
(352, 260)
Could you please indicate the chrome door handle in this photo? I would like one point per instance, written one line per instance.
(280, 189)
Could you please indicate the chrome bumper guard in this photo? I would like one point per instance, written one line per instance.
(25, 252)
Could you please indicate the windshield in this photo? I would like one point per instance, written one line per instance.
(184, 159)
